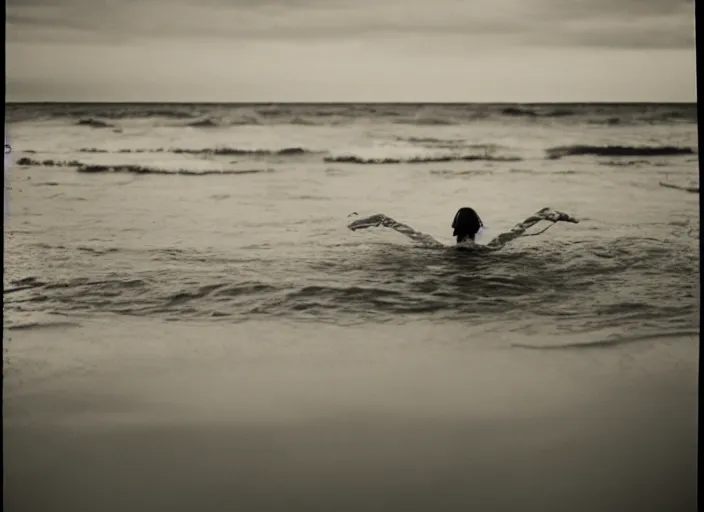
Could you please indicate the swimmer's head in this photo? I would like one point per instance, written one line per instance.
(466, 224)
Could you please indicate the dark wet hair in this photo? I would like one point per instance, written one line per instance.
(466, 224)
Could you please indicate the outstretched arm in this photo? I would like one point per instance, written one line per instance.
(382, 220)
(548, 214)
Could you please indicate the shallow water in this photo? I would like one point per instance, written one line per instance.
(181, 264)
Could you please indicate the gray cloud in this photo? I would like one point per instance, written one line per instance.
(588, 23)
(350, 50)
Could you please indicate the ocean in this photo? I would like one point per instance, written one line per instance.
(188, 322)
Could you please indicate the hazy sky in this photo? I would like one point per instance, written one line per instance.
(350, 50)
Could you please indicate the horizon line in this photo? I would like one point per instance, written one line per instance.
(153, 102)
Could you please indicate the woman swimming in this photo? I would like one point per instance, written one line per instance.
(466, 225)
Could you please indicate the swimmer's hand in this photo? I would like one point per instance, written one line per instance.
(555, 216)
(518, 230)
(371, 222)
(381, 220)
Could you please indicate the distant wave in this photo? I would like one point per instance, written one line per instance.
(692, 190)
(427, 121)
(525, 112)
(675, 115)
(41, 325)
(625, 163)
(350, 158)
(611, 121)
(26, 162)
(458, 145)
(222, 115)
(429, 140)
(234, 119)
(135, 169)
(611, 342)
(355, 159)
(204, 123)
(138, 169)
(124, 112)
(304, 121)
(236, 151)
(585, 150)
(448, 172)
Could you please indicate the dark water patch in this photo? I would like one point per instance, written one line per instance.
(458, 145)
(532, 113)
(354, 159)
(519, 112)
(450, 172)
(42, 325)
(586, 150)
(185, 296)
(246, 288)
(21, 288)
(691, 189)
(94, 123)
(123, 111)
(99, 285)
(429, 140)
(609, 121)
(559, 113)
(98, 251)
(31, 279)
(624, 308)
(690, 115)
(138, 169)
(142, 150)
(243, 152)
(30, 162)
(427, 121)
(305, 121)
(625, 163)
(204, 123)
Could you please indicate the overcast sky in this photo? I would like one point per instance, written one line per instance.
(350, 50)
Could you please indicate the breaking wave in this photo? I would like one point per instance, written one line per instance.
(135, 169)
(206, 151)
(355, 159)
